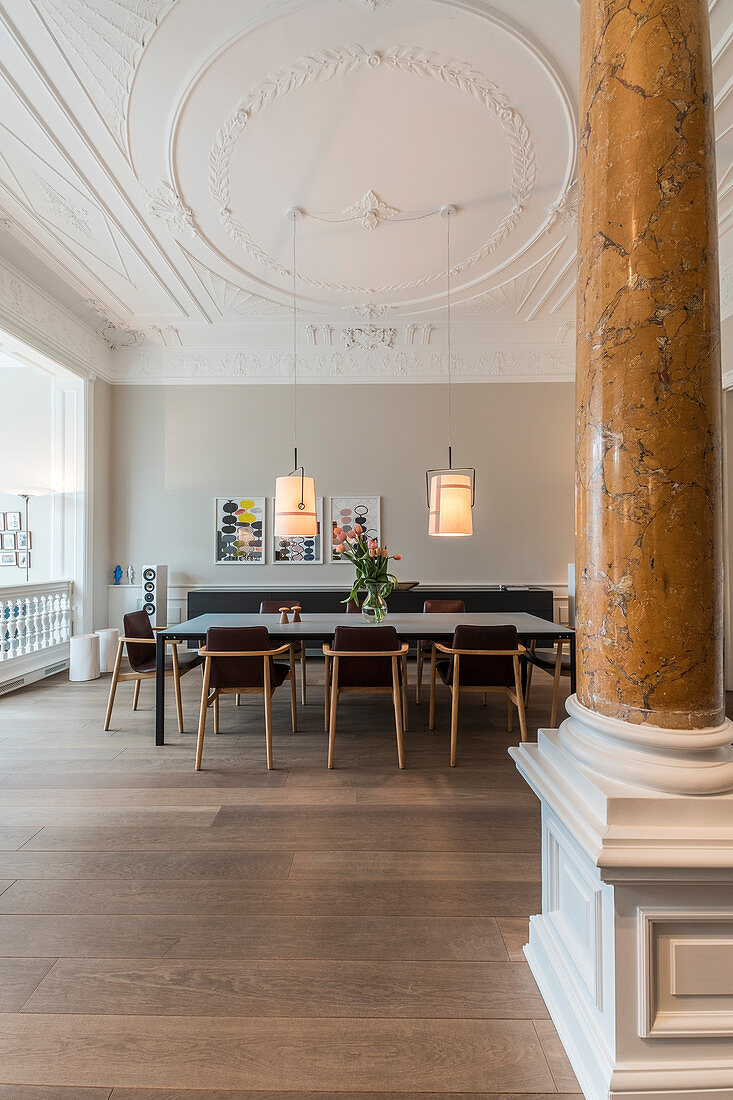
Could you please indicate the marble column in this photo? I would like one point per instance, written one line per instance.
(649, 556)
(632, 951)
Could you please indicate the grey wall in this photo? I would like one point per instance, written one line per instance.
(174, 448)
(101, 486)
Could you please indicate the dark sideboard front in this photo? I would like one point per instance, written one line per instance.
(534, 600)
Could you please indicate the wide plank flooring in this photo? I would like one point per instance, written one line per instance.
(244, 935)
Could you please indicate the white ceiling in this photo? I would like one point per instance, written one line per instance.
(150, 148)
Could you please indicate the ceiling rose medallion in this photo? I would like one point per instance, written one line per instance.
(371, 337)
(340, 62)
(370, 210)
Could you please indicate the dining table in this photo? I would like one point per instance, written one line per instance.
(412, 627)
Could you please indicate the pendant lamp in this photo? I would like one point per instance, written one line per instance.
(295, 494)
(451, 492)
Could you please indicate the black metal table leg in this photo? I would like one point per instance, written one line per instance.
(160, 690)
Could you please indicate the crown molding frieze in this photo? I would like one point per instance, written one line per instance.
(508, 363)
(36, 319)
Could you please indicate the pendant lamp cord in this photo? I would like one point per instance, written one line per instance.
(301, 506)
(450, 357)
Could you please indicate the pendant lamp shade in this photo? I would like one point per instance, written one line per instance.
(450, 503)
(295, 507)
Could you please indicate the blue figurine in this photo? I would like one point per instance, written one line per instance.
(117, 574)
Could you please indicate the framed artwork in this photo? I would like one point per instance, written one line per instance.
(8, 558)
(12, 521)
(240, 530)
(7, 540)
(23, 559)
(346, 512)
(2, 521)
(23, 540)
(299, 551)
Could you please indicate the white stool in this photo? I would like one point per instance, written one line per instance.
(84, 657)
(108, 641)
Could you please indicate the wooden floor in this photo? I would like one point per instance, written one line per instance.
(234, 933)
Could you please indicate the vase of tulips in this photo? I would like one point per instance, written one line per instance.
(371, 563)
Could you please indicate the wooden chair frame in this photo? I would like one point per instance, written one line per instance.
(399, 694)
(118, 677)
(556, 674)
(514, 695)
(209, 698)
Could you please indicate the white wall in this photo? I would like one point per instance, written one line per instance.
(174, 448)
(27, 458)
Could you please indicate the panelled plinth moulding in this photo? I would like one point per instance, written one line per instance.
(632, 950)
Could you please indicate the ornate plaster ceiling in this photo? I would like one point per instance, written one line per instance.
(150, 148)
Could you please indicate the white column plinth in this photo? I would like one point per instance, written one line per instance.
(633, 950)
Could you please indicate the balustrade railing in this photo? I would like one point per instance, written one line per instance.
(34, 617)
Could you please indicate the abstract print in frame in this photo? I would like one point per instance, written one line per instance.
(240, 530)
(300, 550)
(346, 512)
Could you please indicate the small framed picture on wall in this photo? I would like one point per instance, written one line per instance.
(23, 540)
(7, 540)
(12, 521)
(24, 559)
(8, 558)
(2, 521)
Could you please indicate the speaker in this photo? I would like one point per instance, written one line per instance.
(155, 593)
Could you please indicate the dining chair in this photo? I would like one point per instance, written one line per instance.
(366, 660)
(139, 637)
(270, 607)
(481, 659)
(353, 607)
(238, 660)
(556, 662)
(424, 649)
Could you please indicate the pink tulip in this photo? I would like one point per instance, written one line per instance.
(372, 553)
(384, 552)
(338, 533)
(358, 529)
(339, 549)
(373, 544)
(397, 557)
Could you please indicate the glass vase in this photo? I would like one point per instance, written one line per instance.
(374, 607)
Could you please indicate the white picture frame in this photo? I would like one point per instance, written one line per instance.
(8, 557)
(12, 521)
(280, 546)
(23, 540)
(226, 534)
(347, 511)
(8, 540)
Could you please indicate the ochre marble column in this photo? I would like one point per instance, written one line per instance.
(648, 471)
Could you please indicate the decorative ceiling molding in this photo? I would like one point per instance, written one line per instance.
(115, 333)
(368, 310)
(565, 210)
(371, 338)
(370, 210)
(104, 40)
(726, 291)
(167, 205)
(230, 300)
(340, 62)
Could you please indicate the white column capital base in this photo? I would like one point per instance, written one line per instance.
(650, 757)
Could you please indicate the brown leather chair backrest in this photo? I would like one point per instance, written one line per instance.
(237, 672)
(444, 607)
(365, 671)
(136, 624)
(271, 607)
(353, 607)
(488, 671)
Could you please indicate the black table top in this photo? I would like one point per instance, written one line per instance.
(408, 625)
